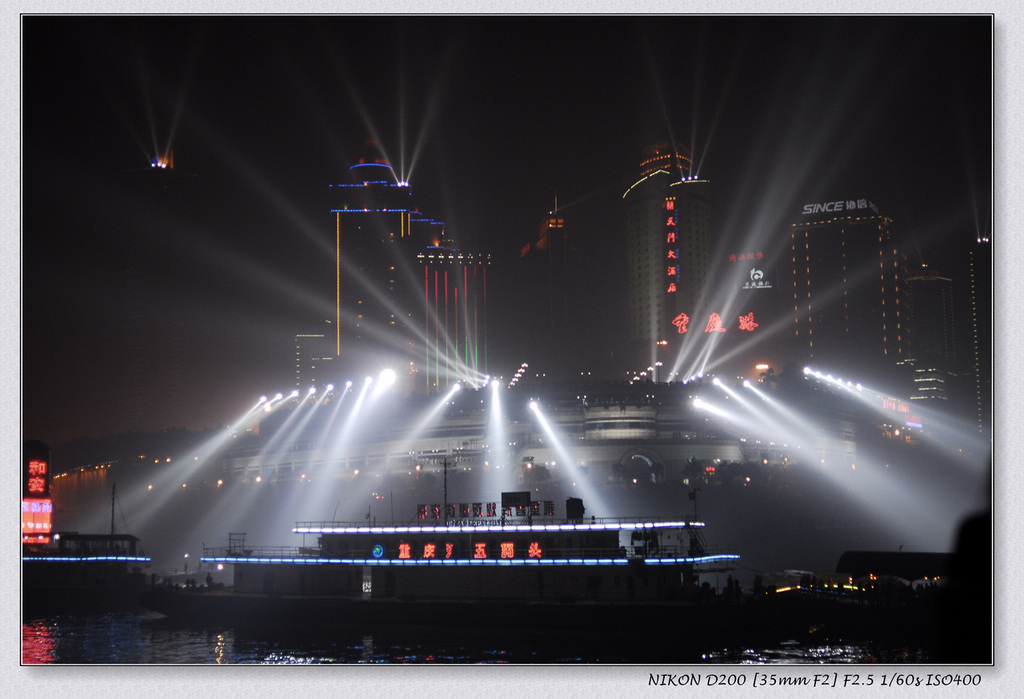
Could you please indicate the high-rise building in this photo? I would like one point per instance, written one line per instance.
(403, 292)
(453, 343)
(314, 358)
(932, 350)
(847, 278)
(667, 234)
(548, 276)
(981, 328)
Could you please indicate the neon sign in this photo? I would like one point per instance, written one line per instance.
(835, 207)
(672, 270)
(506, 550)
(746, 256)
(36, 520)
(37, 482)
(715, 323)
(479, 511)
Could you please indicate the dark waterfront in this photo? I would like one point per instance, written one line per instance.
(147, 638)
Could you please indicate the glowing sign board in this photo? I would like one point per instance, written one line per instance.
(902, 409)
(36, 520)
(512, 502)
(36, 473)
(36, 504)
(839, 206)
(740, 257)
(715, 324)
(673, 271)
(435, 551)
(757, 280)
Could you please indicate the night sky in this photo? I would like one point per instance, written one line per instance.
(193, 296)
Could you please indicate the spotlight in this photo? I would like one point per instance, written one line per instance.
(387, 378)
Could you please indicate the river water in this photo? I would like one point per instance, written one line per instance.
(145, 638)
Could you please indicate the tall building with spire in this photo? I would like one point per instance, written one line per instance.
(667, 237)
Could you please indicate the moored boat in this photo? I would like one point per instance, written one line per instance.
(453, 560)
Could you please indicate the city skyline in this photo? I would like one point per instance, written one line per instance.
(488, 136)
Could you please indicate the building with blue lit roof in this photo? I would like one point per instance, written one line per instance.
(403, 289)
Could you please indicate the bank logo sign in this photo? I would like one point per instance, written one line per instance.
(839, 206)
(757, 280)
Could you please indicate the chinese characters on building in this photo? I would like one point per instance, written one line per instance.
(715, 324)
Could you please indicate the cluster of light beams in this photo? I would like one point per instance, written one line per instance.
(427, 419)
(567, 464)
(499, 453)
(958, 439)
(886, 497)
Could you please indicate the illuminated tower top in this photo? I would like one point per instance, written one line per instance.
(373, 168)
(662, 156)
(667, 234)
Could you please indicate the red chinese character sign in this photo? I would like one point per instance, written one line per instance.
(36, 475)
(715, 324)
(36, 505)
(671, 254)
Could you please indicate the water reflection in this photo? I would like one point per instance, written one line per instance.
(36, 643)
(145, 638)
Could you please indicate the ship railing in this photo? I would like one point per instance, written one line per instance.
(261, 552)
(517, 520)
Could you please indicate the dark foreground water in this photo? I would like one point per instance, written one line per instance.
(147, 638)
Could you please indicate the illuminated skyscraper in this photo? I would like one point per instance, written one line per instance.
(932, 335)
(981, 328)
(668, 231)
(847, 279)
(430, 320)
(454, 333)
(314, 358)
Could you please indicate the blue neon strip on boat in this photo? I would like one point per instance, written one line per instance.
(464, 561)
(83, 559)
